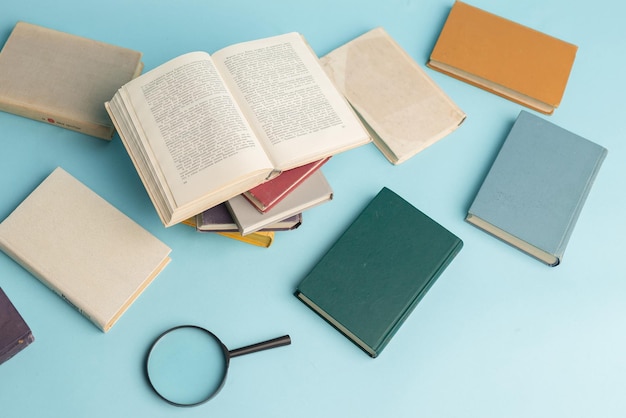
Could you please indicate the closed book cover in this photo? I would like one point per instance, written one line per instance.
(15, 334)
(63, 79)
(534, 192)
(403, 108)
(79, 245)
(374, 275)
(266, 195)
(219, 219)
(504, 57)
(313, 191)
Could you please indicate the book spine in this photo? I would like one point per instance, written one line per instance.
(260, 239)
(15, 348)
(400, 320)
(256, 202)
(497, 89)
(53, 118)
(580, 204)
(42, 278)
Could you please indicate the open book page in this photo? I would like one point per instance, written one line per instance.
(194, 133)
(295, 109)
(139, 155)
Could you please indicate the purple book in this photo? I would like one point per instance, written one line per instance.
(15, 334)
(219, 219)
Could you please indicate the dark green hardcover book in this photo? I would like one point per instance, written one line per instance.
(374, 275)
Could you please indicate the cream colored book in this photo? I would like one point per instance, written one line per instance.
(79, 245)
(401, 105)
(63, 79)
(204, 128)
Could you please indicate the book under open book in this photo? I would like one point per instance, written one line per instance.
(267, 195)
(219, 219)
(259, 238)
(312, 192)
(201, 129)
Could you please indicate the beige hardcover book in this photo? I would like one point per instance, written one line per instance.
(203, 128)
(63, 79)
(312, 192)
(87, 251)
(401, 105)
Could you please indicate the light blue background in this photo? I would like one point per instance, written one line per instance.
(499, 334)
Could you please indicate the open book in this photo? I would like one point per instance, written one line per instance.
(203, 128)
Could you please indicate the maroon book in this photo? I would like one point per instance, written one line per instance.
(15, 334)
(266, 195)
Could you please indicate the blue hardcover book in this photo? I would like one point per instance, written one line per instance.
(536, 187)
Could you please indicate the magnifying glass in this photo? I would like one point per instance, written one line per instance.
(187, 365)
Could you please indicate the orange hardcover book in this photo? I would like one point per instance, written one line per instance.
(504, 57)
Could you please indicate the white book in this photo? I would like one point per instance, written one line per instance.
(401, 105)
(79, 245)
(313, 191)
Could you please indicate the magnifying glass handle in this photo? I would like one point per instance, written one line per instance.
(265, 345)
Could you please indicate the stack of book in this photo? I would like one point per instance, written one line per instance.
(202, 129)
(276, 205)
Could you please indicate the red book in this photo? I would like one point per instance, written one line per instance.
(268, 194)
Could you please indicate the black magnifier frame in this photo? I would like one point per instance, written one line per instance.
(228, 354)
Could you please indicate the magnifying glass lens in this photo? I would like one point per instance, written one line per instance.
(187, 365)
